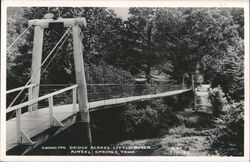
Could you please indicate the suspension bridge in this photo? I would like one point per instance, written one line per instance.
(47, 109)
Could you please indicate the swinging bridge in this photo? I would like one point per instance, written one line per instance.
(46, 112)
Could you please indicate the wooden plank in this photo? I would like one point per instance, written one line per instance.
(67, 22)
(36, 122)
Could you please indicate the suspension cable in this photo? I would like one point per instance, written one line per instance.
(40, 66)
(13, 43)
(14, 111)
(45, 67)
(55, 54)
(55, 46)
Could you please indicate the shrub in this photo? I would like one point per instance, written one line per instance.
(229, 136)
(181, 101)
(185, 100)
(148, 119)
(218, 100)
(197, 102)
(139, 121)
(166, 117)
(197, 99)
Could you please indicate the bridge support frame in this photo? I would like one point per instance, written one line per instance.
(30, 96)
(81, 82)
(53, 120)
(21, 136)
(36, 64)
(75, 23)
(39, 26)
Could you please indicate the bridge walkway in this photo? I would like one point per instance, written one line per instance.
(36, 122)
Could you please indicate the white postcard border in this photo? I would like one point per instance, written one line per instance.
(121, 3)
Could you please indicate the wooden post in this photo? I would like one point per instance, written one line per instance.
(193, 88)
(36, 62)
(18, 125)
(74, 100)
(81, 81)
(51, 114)
(30, 98)
(183, 82)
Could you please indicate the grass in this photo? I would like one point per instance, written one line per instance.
(180, 141)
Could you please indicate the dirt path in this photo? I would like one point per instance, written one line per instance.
(204, 105)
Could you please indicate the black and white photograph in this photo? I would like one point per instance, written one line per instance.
(129, 81)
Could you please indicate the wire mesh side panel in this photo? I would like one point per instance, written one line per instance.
(97, 92)
(108, 91)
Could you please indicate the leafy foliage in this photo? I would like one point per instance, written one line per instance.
(181, 101)
(19, 54)
(101, 26)
(231, 75)
(218, 100)
(148, 119)
(170, 40)
(137, 51)
(228, 138)
(197, 99)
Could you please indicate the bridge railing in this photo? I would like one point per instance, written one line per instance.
(20, 88)
(108, 91)
(98, 92)
(53, 120)
(18, 95)
(60, 99)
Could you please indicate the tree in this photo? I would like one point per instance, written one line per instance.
(102, 26)
(138, 49)
(231, 74)
(194, 36)
(16, 25)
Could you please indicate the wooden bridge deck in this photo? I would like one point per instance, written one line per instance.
(36, 122)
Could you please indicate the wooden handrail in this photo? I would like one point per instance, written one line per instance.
(39, 99)
(20, 88)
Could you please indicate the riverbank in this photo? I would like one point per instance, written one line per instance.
(191, 138)
(180, 141)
